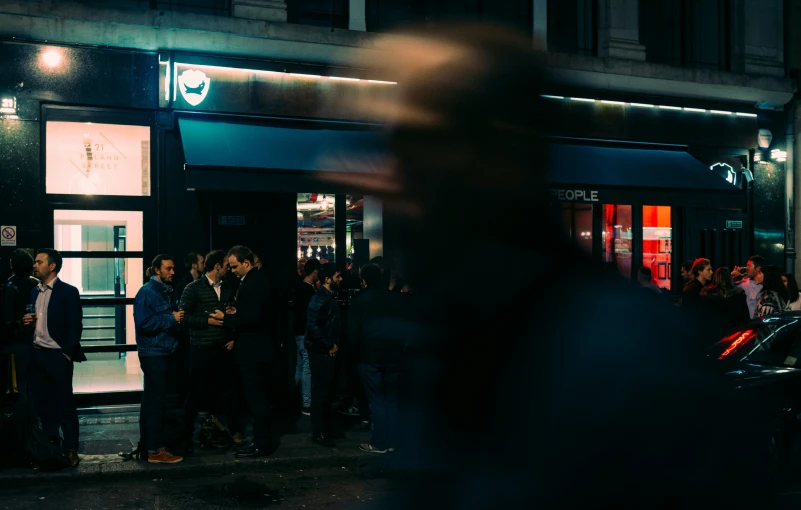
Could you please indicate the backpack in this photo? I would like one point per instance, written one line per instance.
(43, 452)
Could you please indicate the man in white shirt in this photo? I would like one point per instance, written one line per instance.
(749, 283)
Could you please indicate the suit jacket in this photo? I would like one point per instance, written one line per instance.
(252, 343)
(64, 318)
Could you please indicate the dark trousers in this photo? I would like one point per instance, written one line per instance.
(210, 367)
(381, 385)
(50, 381)
(151, 415)
(254, 378)
(322, 381)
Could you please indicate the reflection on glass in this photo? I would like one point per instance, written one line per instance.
(98, 230)
(105, 372)
(104, 277)
(617, 237)
(113, 371)
(315, 228)
(355, 231)
(657, 243)
(577, 220)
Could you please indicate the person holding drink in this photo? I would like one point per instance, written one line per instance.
(56, 316)
(211, 345)
(157, 327)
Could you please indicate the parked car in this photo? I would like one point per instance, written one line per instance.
(762, 360)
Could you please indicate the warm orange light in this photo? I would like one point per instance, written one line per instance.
(737, 342)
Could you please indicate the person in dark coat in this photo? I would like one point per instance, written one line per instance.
(211, 360)
(587, 382)
(379, 346)
(17, 338)
(702, 275)
(725, 303)
(253, 346)
(58, 323)
(322, 344)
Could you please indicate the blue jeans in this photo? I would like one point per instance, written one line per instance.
(381, 385)
(302, 371)
(151, 416)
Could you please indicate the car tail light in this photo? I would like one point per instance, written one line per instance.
(737, 340)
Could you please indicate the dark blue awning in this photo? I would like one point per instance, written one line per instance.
(278, 158)
(632, 168)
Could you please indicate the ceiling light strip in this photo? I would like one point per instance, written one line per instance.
(646, 105)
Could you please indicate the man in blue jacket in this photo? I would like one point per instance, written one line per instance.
(58, 322)
(156, 337)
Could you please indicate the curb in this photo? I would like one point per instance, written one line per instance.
(94, 467)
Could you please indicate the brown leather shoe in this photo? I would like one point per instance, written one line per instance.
(163, 457)
(72, 456)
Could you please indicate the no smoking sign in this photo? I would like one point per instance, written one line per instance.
(8, 235)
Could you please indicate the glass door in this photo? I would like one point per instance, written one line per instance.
(657, 243)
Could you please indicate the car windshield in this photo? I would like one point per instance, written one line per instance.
(775, 341)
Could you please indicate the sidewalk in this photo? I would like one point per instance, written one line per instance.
(104, 437)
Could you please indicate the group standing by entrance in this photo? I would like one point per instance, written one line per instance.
(225, 313)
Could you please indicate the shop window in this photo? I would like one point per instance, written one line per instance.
(657, 243)
(316, 228)
(85, 158)
(577, 221)
(617, 239)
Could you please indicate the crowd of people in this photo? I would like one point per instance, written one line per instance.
(218, 319)
(728, 298)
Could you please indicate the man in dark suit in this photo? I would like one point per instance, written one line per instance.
(253, 346)
(58, 322)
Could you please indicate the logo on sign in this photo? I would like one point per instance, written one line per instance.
(194, 86)
(734, 224)
(725, 171)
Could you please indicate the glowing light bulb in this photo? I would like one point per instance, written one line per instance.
(51, 58)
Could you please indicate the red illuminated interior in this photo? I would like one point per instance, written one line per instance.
(657, 243)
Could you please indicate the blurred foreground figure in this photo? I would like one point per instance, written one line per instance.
(563, 387)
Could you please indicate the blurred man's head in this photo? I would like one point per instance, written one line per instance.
(47, 264)
(312, 270)
(755, 263)
(216, 264)
(371, 277)
(644, 275)
(330, 276)
(240, 260)
(162, 268)
(21, 262)
(195, 264)
(466, 129)
(687, 270)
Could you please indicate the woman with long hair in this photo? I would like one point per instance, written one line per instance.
(793, 295)
(773, 296)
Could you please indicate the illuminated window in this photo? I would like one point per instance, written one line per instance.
(657, 243)
(617, 238)
(577, 220)
(85, 158)
(315, 228)
(103, 280)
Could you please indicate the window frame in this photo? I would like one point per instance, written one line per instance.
(147, 205)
